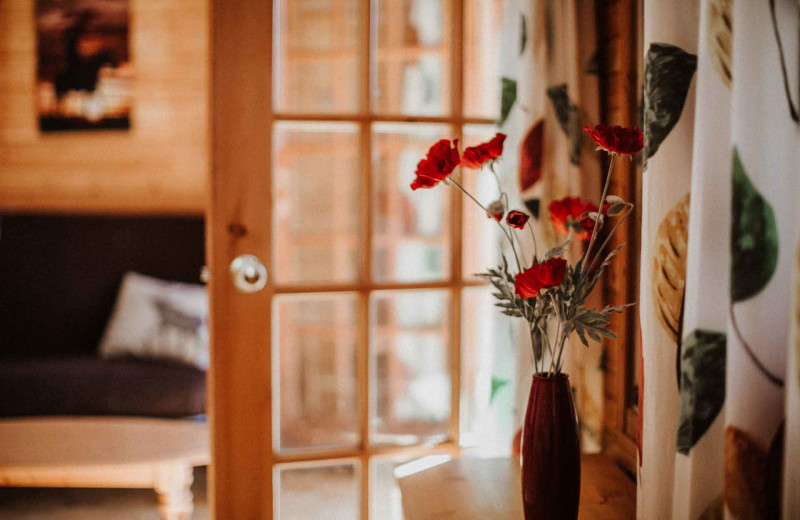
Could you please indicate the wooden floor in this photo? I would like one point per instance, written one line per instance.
(473, 489)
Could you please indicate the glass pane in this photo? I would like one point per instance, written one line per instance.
(317, 41)
(487, 368)
(482, 236)
(317, 340)
(317, 179)
(410, 366)
(412, 229)
(385, 497)
(413, 55)
(385, 501)
(318, 492)
(483, 23)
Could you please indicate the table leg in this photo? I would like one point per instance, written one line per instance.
(172, 483)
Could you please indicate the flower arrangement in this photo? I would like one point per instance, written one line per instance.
(545, 288)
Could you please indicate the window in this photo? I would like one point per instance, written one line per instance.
(380, 334)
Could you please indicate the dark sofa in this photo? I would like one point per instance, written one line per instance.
(59, 277)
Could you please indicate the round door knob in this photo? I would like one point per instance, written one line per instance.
(248, 274)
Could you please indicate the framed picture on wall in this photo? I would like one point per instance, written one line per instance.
(84, 71)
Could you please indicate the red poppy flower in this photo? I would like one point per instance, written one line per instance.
(477, 156)
(528, 283)
(617, 139)
(496, 210)
(517, 219)
(437, 165)
(566, 215)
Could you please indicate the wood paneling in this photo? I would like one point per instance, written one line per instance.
(158, 166)
(617, 23)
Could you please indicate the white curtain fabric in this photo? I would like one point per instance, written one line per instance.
(550, 90)
(700, 449)
(721, 405)
(670, 43)
(791, 475)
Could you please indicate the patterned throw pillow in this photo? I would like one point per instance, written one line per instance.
(157, 319)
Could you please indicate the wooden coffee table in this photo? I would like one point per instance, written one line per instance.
(106, 452)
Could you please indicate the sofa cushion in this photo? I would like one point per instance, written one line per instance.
(94, 386)
(158, 319)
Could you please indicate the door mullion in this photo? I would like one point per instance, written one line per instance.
(366, 252)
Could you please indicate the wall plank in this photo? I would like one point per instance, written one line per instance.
(159, 166)
(617, 23)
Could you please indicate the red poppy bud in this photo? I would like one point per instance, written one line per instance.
(496, 210)
(517, 219)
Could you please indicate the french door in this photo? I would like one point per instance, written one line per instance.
(359, 348)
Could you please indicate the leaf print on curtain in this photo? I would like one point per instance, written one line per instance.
(669, 272)
(509, 96)
(569, 119)
(530, 158)
(753, 475)
(702, 385)
(719, 35)
(754, 250)
(667, 76)
(745, 471)
(754, 237)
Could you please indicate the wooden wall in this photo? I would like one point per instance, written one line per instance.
(160, 165)
(618, 42)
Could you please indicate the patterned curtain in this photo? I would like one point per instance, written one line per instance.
(550, 91)
(717, 274)
(669, 98)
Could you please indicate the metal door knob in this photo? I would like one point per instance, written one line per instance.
(248, 273)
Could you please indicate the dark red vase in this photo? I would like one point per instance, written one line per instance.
(550, 452)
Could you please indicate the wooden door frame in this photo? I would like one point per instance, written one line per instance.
(240, 374)
(618, 44)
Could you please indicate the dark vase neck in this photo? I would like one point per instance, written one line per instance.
(544, 377)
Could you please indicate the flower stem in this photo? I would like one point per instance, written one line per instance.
(535, 249)
(611, 234)
(533, 350)
(497, 180)
(547, 340)
(508, 236)
(600, 208)
(558, 333)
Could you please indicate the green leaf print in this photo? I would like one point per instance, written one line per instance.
(497, 385)
(754, 237)
(702, 385)
(668, 75)
(569, 119)
(509, 96)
